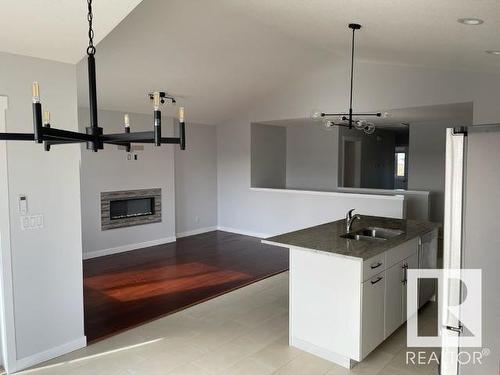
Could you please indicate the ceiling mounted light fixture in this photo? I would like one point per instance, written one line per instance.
(94, 137)
(470, 21)
(347, 119)
(493, 52)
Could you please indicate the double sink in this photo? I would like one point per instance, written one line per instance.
(373, 234)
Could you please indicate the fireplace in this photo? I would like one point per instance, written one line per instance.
(131, 207)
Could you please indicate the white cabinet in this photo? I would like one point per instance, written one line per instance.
(396, 293)
(341, 307)
(394, 298)
(373, 307)
(409, 263)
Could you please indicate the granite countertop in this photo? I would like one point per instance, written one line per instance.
(326, 237)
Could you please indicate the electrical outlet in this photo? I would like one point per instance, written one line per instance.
(31, 222)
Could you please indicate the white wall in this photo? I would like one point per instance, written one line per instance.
(45, 319)
(269, 150)
(196, 181)
(377, 86)
(311, 157)
(109, 170)
(280, 211)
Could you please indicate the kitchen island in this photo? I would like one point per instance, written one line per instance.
(348, 290)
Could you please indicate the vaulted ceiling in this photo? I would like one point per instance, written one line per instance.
(220, 56)
(56, 29)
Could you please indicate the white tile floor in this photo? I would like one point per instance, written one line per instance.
(243, 332)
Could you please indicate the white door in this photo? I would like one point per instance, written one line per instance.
(452, 253)
(394, 298)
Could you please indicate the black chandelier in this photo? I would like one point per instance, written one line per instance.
(347, 119)
(94, 137)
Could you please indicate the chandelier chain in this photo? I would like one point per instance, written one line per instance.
(90, 48)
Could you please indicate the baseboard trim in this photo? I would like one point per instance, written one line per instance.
(125, 248)
(195, 232)
(322, 353)
(46, 355)
(244, 232)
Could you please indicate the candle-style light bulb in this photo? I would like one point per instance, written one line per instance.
(156, 100)
(35, 88)
(126, 120)
(181, 114)
(46, 117)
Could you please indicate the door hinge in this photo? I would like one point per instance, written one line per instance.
(459, 329)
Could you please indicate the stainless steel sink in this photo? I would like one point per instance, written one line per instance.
(373, 234)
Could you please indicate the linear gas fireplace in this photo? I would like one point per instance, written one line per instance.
(131, 207)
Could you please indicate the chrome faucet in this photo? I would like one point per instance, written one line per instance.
(350, 218)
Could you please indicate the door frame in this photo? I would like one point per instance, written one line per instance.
(456, 150)
(358, 150)
(7, 321)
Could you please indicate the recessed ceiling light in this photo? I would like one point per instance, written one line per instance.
(470, 21)
(493, 52)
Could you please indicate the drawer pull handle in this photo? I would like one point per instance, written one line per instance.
(405, 270)
(376, 265)
(376, 281)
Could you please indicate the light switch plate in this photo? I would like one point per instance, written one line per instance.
(23, 205)
(31, 222)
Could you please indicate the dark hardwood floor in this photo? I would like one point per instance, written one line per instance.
(124, 290)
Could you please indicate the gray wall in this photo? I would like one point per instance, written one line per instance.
(196, 181)
(109, 170)
(46, 263)
(311, 157)
(268, 156)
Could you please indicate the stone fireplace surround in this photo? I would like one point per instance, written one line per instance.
(107, 197)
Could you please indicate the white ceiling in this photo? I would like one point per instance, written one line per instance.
(215, 58)
(56, 29)
(222, 55)
(415, 32)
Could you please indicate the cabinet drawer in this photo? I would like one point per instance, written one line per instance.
(373, 266)
(402, 251)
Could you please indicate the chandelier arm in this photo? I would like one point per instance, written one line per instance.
(17, 137)
(128, 137)
(59, 134)
(377, 114)
(138, 137)
(61, 142)
(163, 140)
(334, 114)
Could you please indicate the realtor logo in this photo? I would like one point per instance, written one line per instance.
(459, 308)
